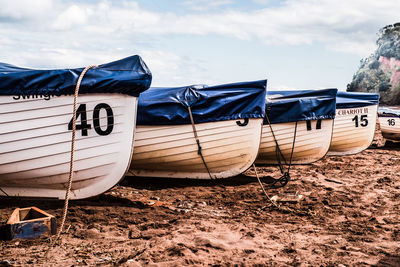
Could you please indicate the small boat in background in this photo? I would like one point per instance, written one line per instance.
(36, 110)
(200, 132)
(354, 125)
(389, 121)
(297, 121)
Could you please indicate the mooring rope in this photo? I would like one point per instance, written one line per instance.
(71, 165)
(293, 144)
(279, 206)
(263, 189)
(276, 141)
(199, 150)
(285, 178)
(1, 189)
(274, 203)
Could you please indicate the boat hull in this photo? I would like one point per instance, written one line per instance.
(353, 130)
(311, 144)
(35, 144)
(390, 127)
(171, 151)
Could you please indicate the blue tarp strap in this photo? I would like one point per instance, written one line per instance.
(198, 142)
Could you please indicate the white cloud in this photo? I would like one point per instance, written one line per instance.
(24, 9)
(72, 17)
(170, 69)
(203, 5)
(163, 64)
(46, 33)
(335, 24)
(261, 2)
(282, 87)
(354, 47)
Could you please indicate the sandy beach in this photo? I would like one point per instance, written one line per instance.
(349, 216)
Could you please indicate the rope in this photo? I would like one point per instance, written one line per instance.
(294, 142)
(71, 165)
(263, 189)
(285, 175)
(285, 178)
(280, 207)
(4, 192)
(198, 143)
(276, 141)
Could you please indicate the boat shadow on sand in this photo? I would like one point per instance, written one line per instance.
(104, 200)
(153, 183)
(136, 183)
(389, 260)
(388, 145)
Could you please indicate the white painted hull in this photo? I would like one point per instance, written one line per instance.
(310, 144)
(171, 151)
(390, 127)
(35, 145)
(353, 130)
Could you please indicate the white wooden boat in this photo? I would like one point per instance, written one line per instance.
(228, 146)
(309, 114)
(389, 122)
(354, 125)
(35, 143)
(312, 141)
(171, 151)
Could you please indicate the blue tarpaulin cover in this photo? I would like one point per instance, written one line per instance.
(169, 106)
(300, 105)
(127, 76)
(356, 100)
(388, 112)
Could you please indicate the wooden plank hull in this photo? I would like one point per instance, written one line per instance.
(35, 144)
(390, 127)
(353, 130)
(311, 143)
(171, 151)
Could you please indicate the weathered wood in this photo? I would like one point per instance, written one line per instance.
(29, 223)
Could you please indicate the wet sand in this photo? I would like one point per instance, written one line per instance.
(349, 216)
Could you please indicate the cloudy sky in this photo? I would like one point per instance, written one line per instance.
(303, 44)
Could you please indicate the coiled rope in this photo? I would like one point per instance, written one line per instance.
(71, 164)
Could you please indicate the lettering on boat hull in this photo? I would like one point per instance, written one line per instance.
(353, 130)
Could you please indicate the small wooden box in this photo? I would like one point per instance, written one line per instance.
(29, 223)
